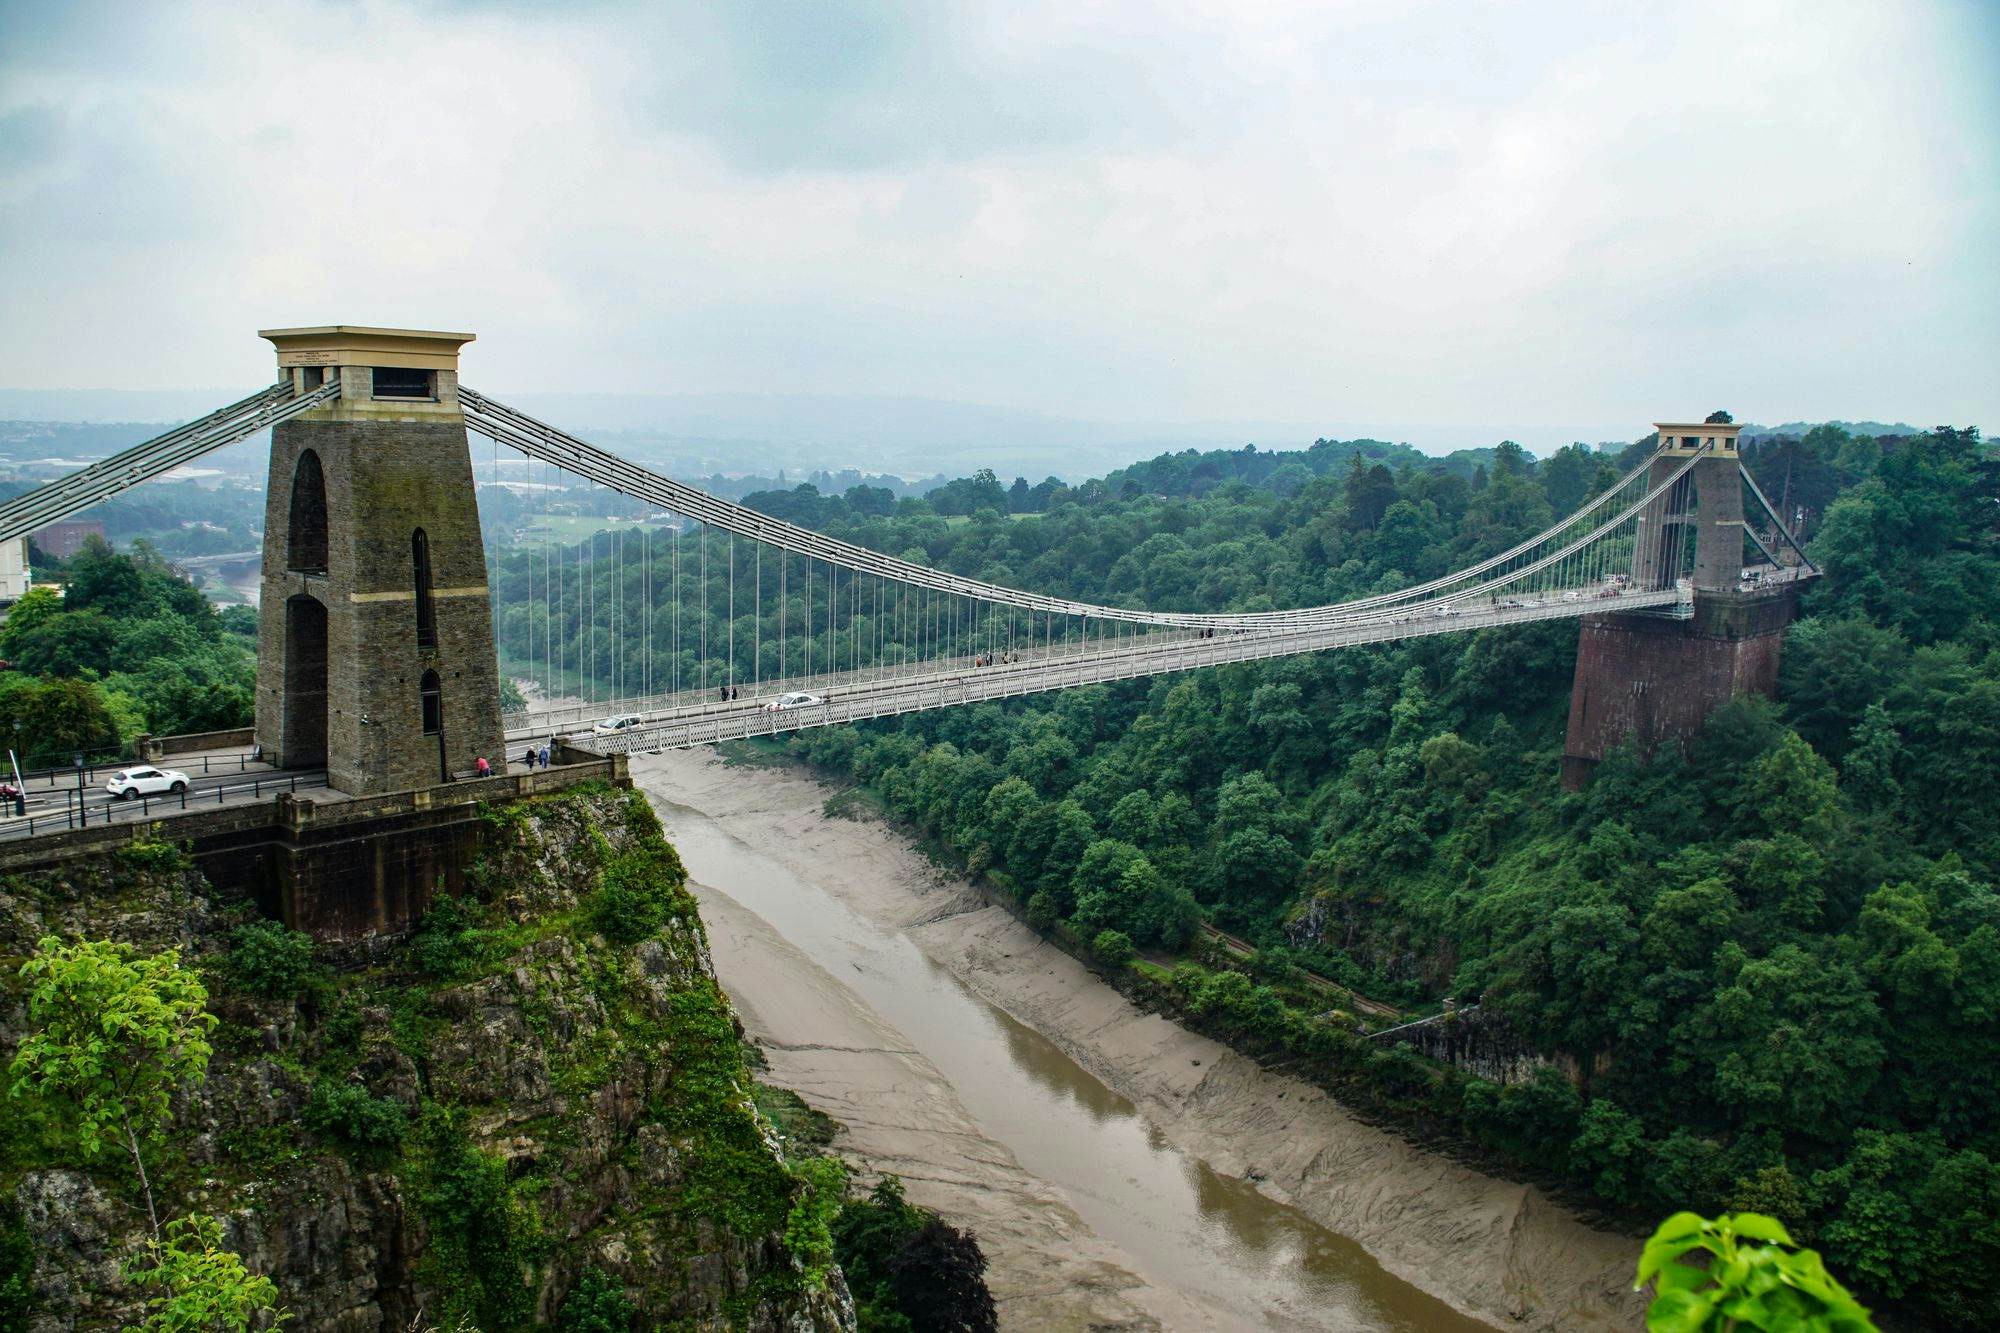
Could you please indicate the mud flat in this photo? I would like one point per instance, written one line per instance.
(899, 1114)
(1221, 1195)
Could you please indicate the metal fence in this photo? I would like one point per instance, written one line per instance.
(83, 814)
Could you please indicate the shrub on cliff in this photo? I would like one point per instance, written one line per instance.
(596, 1304)
(113, 1034)
(17, 1270)
(351, 1113)
(639, 892)
(268, 959)
(446, 942)
(477, 1250)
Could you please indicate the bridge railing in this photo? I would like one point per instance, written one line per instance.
(726, 722)
(85, 814)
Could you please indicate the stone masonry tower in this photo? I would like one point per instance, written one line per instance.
(1716, 511)
(1655, 679)
(375, 651)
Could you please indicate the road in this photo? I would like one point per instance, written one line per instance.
(233, 778)
(855, 698)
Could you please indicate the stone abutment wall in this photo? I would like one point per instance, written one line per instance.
(1656, 680)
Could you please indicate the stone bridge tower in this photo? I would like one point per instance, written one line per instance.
(375, 647)
(1655, 678)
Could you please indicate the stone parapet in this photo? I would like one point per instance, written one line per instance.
(337, 869)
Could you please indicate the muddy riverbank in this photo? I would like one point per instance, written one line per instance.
(1295, 1212)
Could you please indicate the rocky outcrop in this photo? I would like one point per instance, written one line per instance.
(1476, 1041)
(456, 1125)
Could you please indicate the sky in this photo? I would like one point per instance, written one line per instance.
(1445, 222)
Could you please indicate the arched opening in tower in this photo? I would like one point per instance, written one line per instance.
(305, 683)
(305, 533)
(420, 573)
(430, 707)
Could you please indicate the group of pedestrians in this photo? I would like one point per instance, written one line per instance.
(530, 757)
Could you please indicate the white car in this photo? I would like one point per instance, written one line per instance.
(796, 699)
(611, 726)
(129, 782)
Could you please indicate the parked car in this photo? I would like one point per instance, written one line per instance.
(611, 726)
(795, 699)
(129, 782)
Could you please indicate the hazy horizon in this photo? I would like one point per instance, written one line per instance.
(912, 437)
(1446, 224)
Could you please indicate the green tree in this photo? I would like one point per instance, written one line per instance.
(1792, 790)
(35, 608)
(47, 721)
(1832, 670)
(1798, 1042)
(1875, 757)
(113, 1034)
(1113, 949)
(939, 1277)
(1611, 1142)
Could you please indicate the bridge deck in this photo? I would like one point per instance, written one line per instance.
(853, 697)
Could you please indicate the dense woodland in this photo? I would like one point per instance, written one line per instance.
(1770, 966)
(1766, 971)
(128, 646)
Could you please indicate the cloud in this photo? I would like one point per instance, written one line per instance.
(1469, 214)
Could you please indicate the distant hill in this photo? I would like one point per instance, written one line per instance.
(1851, 427)
(734, 434)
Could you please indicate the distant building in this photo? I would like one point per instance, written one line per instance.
(14, 570)
(65, 539)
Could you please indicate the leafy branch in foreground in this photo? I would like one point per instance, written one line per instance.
(1756, 1277)
(200, 1285)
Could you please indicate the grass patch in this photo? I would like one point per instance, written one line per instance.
(803, 1128)
(855, 803)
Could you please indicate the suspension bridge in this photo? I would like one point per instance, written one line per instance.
(713, 621)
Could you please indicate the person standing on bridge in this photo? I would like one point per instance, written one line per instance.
(529, 758)
(545, 754)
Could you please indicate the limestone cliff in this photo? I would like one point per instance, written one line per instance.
(453, 1127)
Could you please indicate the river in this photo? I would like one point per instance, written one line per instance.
(1091, 1212)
